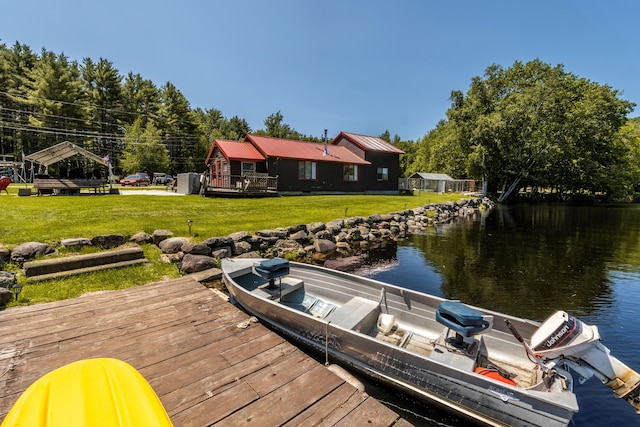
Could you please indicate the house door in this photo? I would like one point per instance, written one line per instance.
(218, 172)
(218, 175)
(215, 173)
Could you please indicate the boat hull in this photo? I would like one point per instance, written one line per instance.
(441, 379)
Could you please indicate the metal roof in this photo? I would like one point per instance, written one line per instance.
(304, 150)
(432, 176)
(62, 151)
(369, 143)
(238, 150)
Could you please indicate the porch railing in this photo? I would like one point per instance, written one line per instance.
(249, 182)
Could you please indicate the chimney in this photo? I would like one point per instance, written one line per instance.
(326, 144)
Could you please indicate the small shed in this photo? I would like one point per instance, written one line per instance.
(424, 181)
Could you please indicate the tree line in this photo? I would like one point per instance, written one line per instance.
(538, 127)
(47, 98)
(531, 125)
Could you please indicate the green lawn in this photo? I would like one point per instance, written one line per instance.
(50, 219)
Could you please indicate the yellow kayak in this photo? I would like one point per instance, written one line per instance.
(93, 392)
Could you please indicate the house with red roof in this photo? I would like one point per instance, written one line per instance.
(351, 163)
(383, 157)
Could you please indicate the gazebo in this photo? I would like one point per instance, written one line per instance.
(60, 152)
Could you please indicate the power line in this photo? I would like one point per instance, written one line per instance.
(75, 104)
(185, 141)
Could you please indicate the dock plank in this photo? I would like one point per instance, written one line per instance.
(330, 409)
(290, 399)
(188, 343)
(219, 381)
(371, 413)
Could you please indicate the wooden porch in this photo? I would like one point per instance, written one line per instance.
(246, 185)
(189, 344)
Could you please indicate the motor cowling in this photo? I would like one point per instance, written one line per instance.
(564, 337)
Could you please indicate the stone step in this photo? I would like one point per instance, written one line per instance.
(76, 264)
(67, 273)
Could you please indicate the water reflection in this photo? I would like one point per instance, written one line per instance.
(525, 260)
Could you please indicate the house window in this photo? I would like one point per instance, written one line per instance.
(306, 170)
(350, 173)
(248, 167)
(383, 174)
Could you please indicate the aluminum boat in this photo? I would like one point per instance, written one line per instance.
(473, 362)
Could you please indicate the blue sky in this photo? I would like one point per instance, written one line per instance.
(359, 66)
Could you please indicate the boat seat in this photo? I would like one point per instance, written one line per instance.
(272, 269)
(288, 285)
(355, 312)
(464, 320)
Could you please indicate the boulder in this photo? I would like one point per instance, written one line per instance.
(141, 238)
(171, 258)
(5, 256)
(353, 234)
(7, 280)
(418, 211)
(30, 250)
(108, 241)
(240, 236)
(334, 227)
(335, 223)
(172, 245)
(218, 242)
(252, 254)
(265, 242)
(241, 247)
(278, 233)
(299, 236)
(324, 246)
(353, 221)
(374, 218)
(343, 246)
(256, 241)
(295, 228)
(349, 263)
(222, 252)
(326, 235)
(196, 249)
(160, 235)
(314, 227)
(284, 247)
(194, 263)
(5, 296)
(76, 242)
(341, 237)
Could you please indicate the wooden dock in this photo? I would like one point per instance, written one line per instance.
(186, 341)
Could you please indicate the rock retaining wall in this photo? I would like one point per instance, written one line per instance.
(303, 242)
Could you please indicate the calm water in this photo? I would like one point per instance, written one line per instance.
(530, 261)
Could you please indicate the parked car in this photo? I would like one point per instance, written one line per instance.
(135, 180)
(8, 173)
(162, 178)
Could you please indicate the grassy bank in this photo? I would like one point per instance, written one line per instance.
(50, 219)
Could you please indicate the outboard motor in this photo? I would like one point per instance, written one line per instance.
(563, 339)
